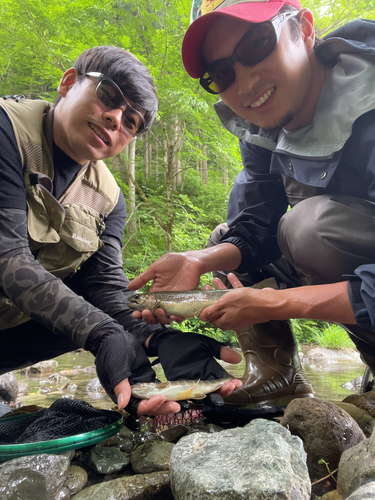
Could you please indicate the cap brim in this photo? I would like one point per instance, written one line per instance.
(253, 12)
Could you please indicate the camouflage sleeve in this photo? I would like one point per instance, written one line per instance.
(105, 285)
(37, 292)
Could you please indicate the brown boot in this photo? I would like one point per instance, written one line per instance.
(273, 374)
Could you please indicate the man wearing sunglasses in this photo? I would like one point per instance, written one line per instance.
(304, 111)
(62, 218)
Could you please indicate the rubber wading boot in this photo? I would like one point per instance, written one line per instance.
(364, 341)
(273, 373)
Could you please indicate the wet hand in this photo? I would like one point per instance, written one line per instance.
(157, 405)
(159, 316)
(241, 307)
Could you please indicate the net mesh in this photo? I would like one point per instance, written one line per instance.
(65, 417)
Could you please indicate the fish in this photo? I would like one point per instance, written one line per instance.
(187, 304)
(178, 390)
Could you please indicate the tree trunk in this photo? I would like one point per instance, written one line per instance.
(205, 166)
(132, 223)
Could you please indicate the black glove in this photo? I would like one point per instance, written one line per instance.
(119, 355)
(188, 356)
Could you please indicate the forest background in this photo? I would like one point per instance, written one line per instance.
(176, 178)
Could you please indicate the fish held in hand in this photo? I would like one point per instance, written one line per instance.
(186, 304)
(178, 390)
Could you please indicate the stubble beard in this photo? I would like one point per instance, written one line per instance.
(282, 123)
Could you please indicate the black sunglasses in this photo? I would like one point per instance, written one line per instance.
(110, 94)
(256, 44)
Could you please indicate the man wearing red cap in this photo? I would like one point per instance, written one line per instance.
(304, 111)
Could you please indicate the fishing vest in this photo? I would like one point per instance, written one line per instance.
(63, 233)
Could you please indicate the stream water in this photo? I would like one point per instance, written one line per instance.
(327, 380)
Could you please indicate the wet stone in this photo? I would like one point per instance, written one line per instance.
(326, 431)
(365, 492)
(63, 494)
(353, 385)
(154, 486)
(8, 387)
(41, 367)
(125, 445)
(107, 460)
(153, 456)
(95, 389)
(47, 472)
(4, 409)
(363, 419)
(261, 461)
(24, 483)
(365, 401)
(356, 467)
(77, 479)
(173, 434)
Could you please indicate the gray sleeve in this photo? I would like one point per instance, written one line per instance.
(35, 291)
(105, 285)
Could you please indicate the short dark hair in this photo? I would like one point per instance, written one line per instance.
(295, 25)
(126, 70)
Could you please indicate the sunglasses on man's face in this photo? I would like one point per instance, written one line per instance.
(110, 94)
(256, 44)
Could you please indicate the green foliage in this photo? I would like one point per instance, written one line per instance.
(227, 337)
(327, 335)
(333, 337)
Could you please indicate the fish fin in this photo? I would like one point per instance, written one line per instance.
(155, 306)
(164, 385)
(196, 385)
(197, 313)
(199, 396)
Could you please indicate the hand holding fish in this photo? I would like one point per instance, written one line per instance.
(156, 405)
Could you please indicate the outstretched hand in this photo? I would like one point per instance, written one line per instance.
(172, 272)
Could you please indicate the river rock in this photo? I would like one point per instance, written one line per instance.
(331, 495)
(77, 479)
(28, 477)
(4, 409)
(363, 419)
(259, 461)
(107, 460)
(353, 385)
(356, 467)
(319, 356)
(365, 492)
(326, 431)
(153, 456)
(154, 486)
(365, 401)
(8, 387)
(63, 494)
(41, 367)
(174, 433)
(23, 388)
(95, 389)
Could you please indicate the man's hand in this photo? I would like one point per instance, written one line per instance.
(192, 356)
(157, 405)
(121, 360)
(173, 271)
(247, 306)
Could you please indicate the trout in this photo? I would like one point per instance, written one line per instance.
(178, 390)
(187, 304)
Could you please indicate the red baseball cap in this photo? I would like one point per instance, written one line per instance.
(205, 12)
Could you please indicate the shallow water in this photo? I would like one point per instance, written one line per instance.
(327, 380)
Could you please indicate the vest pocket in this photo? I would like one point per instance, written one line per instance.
(79, 239)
